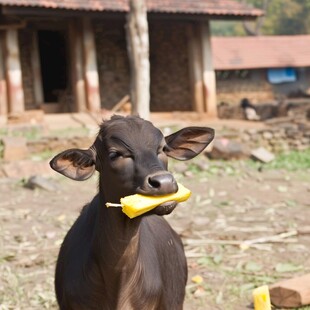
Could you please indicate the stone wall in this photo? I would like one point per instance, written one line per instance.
(282, 138)
(170, 88)
(170, 85)
(268, 110)
(253, 86)
(112, 60)
(280, 135)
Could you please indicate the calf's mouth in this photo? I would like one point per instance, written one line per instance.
(165, 208)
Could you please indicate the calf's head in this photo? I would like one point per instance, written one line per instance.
(130, 155)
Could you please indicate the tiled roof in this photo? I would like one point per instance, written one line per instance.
(208, 7)
(261, 52)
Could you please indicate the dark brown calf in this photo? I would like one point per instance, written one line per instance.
(108, 261)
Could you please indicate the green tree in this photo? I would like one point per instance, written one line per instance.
(282, 17)
(293, 18)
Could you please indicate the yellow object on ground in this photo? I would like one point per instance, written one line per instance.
(135, 205)
(262, 298)
(197, 279)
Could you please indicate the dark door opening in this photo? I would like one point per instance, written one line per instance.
(53, 58)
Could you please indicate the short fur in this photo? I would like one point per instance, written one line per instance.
(108, 261)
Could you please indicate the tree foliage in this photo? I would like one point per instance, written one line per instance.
(282, 17)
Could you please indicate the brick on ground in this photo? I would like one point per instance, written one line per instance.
(15, 148)
(262, 155)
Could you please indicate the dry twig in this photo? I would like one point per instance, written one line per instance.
(246, 243)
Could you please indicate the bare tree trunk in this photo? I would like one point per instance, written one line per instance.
(258, 24)
(138, 52)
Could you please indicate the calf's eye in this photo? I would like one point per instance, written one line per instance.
(114, 155)
(162, 150)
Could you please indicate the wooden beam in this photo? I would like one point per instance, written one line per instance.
(22, 24)
(291, 293)
(76, 59)
(14, 73)
(208, 71)
(3, 90)
(90, 67)
(36, 71)
(195, 68)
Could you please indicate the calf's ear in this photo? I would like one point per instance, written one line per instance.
(188, 142)
(75, 164)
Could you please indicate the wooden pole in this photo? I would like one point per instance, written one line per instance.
(208, 71)
(14, 73)
(90, 67)
(138, 52)
(3, 89)
(36, 71)
(76, 58)
(195, 68)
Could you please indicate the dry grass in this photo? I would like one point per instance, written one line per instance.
(230, 203)
(27, 260)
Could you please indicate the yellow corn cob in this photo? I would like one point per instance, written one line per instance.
(262, 298)
(135, 205)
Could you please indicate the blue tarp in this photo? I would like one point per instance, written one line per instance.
(281, 75)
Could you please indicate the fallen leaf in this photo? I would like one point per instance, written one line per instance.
(50, 234)
(244, 246)
(205, 261)
(282, 189)
(200, 292)
(253, 266)
(197, 279)
(61, 218)
(205, 202)
(219, 298)
(287, 267)
(247, 287)
(58, 242)
(217, 259)
(9, 257)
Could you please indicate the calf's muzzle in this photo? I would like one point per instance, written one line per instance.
(157, 184)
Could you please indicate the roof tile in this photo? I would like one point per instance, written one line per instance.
(208, 7)
(260, 52)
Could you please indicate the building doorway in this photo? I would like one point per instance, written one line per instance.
(54, 69)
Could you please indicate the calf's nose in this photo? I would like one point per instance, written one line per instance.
(162, 184)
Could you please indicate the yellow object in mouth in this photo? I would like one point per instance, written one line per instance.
(135, 205)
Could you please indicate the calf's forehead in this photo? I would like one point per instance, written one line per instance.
(132, 131)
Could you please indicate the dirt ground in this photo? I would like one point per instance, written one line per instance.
(226, 228)
(234, 214)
